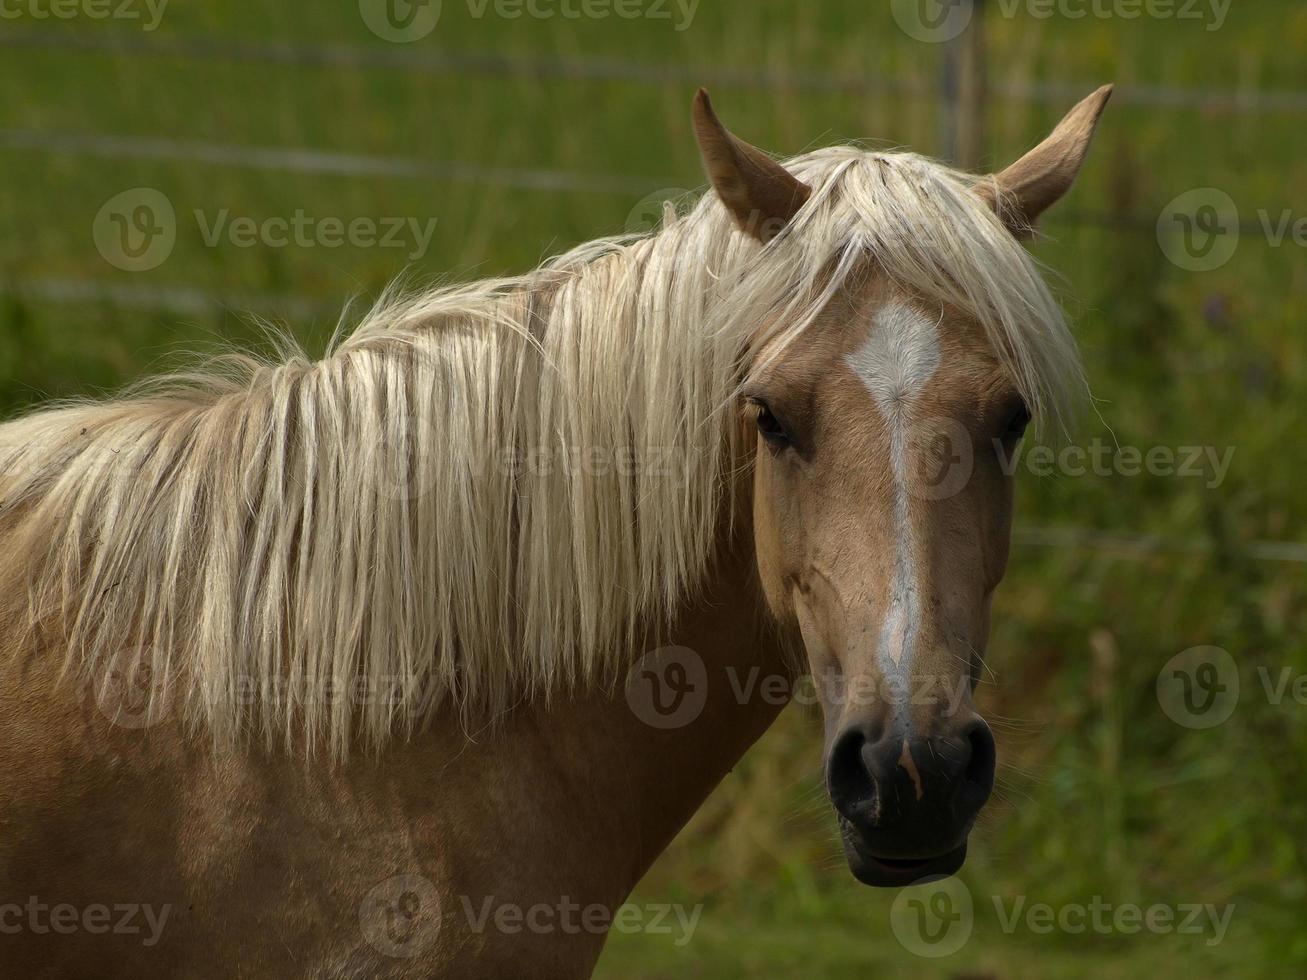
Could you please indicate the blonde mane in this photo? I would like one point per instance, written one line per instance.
(483, 493)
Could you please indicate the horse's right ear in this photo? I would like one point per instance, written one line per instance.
(1022, 192)
(761, 195)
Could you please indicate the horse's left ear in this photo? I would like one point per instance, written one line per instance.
(761, 195)
(1039, 179)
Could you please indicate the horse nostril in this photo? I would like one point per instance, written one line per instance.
(984, 755)
(848, 780)
(893, 782)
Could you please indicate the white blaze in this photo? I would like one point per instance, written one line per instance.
(898, 358)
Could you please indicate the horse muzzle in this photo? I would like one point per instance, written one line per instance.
(906, 804)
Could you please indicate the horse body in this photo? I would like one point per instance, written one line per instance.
(259, 864)
(326, 668)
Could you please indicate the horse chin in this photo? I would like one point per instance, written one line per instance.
(897, 872)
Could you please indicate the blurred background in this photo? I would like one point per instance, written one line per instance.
(1148, 645)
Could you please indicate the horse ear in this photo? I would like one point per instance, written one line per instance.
(1022, 192)
(761, 195)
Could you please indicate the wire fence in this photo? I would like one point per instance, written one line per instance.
(190, 300)
(1144, 546)
(430, 60)
(333, 163)
(437, 61)
(308, 161)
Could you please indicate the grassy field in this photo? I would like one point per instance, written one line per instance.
(1102, 795)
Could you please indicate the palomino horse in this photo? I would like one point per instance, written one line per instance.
(325, 668)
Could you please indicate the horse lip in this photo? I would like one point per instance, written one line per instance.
(885, 871)
(902, 864)
(899, 873)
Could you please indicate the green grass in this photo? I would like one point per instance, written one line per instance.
(1101, 795)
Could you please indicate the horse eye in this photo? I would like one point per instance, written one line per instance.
(1016, 426)
(769, 427)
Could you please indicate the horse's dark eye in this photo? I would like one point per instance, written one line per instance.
(1016, 426)
(769, 427)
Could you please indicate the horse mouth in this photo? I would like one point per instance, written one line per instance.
(898, 872)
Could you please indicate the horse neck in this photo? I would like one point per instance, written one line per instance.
(690, 708)
(610, 777)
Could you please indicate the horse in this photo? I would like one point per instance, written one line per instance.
(409, 660)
